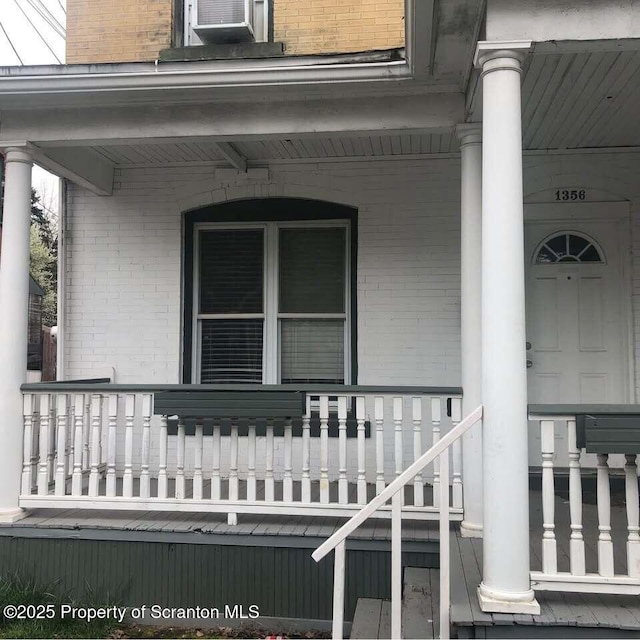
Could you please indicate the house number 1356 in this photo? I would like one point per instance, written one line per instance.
(566, 195)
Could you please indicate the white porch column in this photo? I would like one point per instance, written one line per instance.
(14, 304)
(470, 137)
(505, 583)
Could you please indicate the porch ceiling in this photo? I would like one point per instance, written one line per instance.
(256, 151)
(578, 99)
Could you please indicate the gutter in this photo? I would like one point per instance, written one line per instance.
(188, 76)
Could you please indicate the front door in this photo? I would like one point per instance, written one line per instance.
(576, 318)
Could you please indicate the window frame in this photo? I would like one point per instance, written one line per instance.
(320, 214)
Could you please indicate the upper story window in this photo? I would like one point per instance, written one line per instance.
(568, 247)
(225, 21)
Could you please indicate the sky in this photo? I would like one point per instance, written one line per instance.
(31, 49)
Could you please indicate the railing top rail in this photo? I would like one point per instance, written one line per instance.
(330, 389)
(560, 410)
(404, 478)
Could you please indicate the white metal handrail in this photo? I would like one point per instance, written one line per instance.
(392, 492)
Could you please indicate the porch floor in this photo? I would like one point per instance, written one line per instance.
(572, 615)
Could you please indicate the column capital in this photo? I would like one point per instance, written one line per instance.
(511, 54)
(18, 152)
(469, 133)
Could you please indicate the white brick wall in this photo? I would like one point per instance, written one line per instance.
(124, 262)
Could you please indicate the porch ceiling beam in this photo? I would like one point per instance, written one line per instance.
(224, 122)
(235, 158)
(81, 166)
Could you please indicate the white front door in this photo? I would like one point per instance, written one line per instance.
(576, 318)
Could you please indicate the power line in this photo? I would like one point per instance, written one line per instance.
(6, 35)
(47, 16)
(53, 53)
(62, 7)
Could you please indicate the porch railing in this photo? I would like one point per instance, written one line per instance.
(336, 543)
(598, 558)
(101, 446)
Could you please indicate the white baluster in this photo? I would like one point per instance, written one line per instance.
(251, 464)
(94, 450)
(416, 415)
(269, 484)
(456, 454)
(576, 543)
(145, 477)
(86, 433)
(197, 468)
(436, 419)
(163, 481)
(324, 449)
(180, 482)
(215, 473)
(633, 521)
(287, 484)
(127, 478)
(549, 548)
(362, 468)
(398, 448)
(378, 416)
(338, 591)
(396, 565)
(343, 486)
(45, 418)
(35, 443)
(605, 544)
(445, 558)
(27, 446)
(78, 430)
(51, 444)
(306, 453)
(233, 463)
(112, 444)
(61, 447)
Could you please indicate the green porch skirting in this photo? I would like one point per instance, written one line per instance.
(283, 581)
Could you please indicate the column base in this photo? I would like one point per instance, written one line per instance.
(12, 515)
(492, 601)
(470, 529)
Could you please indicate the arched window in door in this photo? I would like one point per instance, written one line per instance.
(568, 247)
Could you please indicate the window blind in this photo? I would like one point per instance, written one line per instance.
(231, 271)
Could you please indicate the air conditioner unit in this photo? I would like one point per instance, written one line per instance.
(224, 21)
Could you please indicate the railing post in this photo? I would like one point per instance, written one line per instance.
(27, 444)
(343, 487)
(324, 449)
(436, 418)
(338, 591)
(549, 550)
(605, 544)
(362, 466)
(306, 452)
(145, 477)
(378, 413)
(127, 479)
(576, 544)
(445, 557)
(396, 565)
(416, 414)
(633, 521)
(78, 430)
(96, 420)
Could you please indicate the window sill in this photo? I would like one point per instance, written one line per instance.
(241, 50)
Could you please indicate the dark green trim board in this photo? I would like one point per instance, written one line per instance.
(283, 581)
(265, 210)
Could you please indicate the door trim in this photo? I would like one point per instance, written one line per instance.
(566, 214)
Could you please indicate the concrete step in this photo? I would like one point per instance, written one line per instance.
(420, 603)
